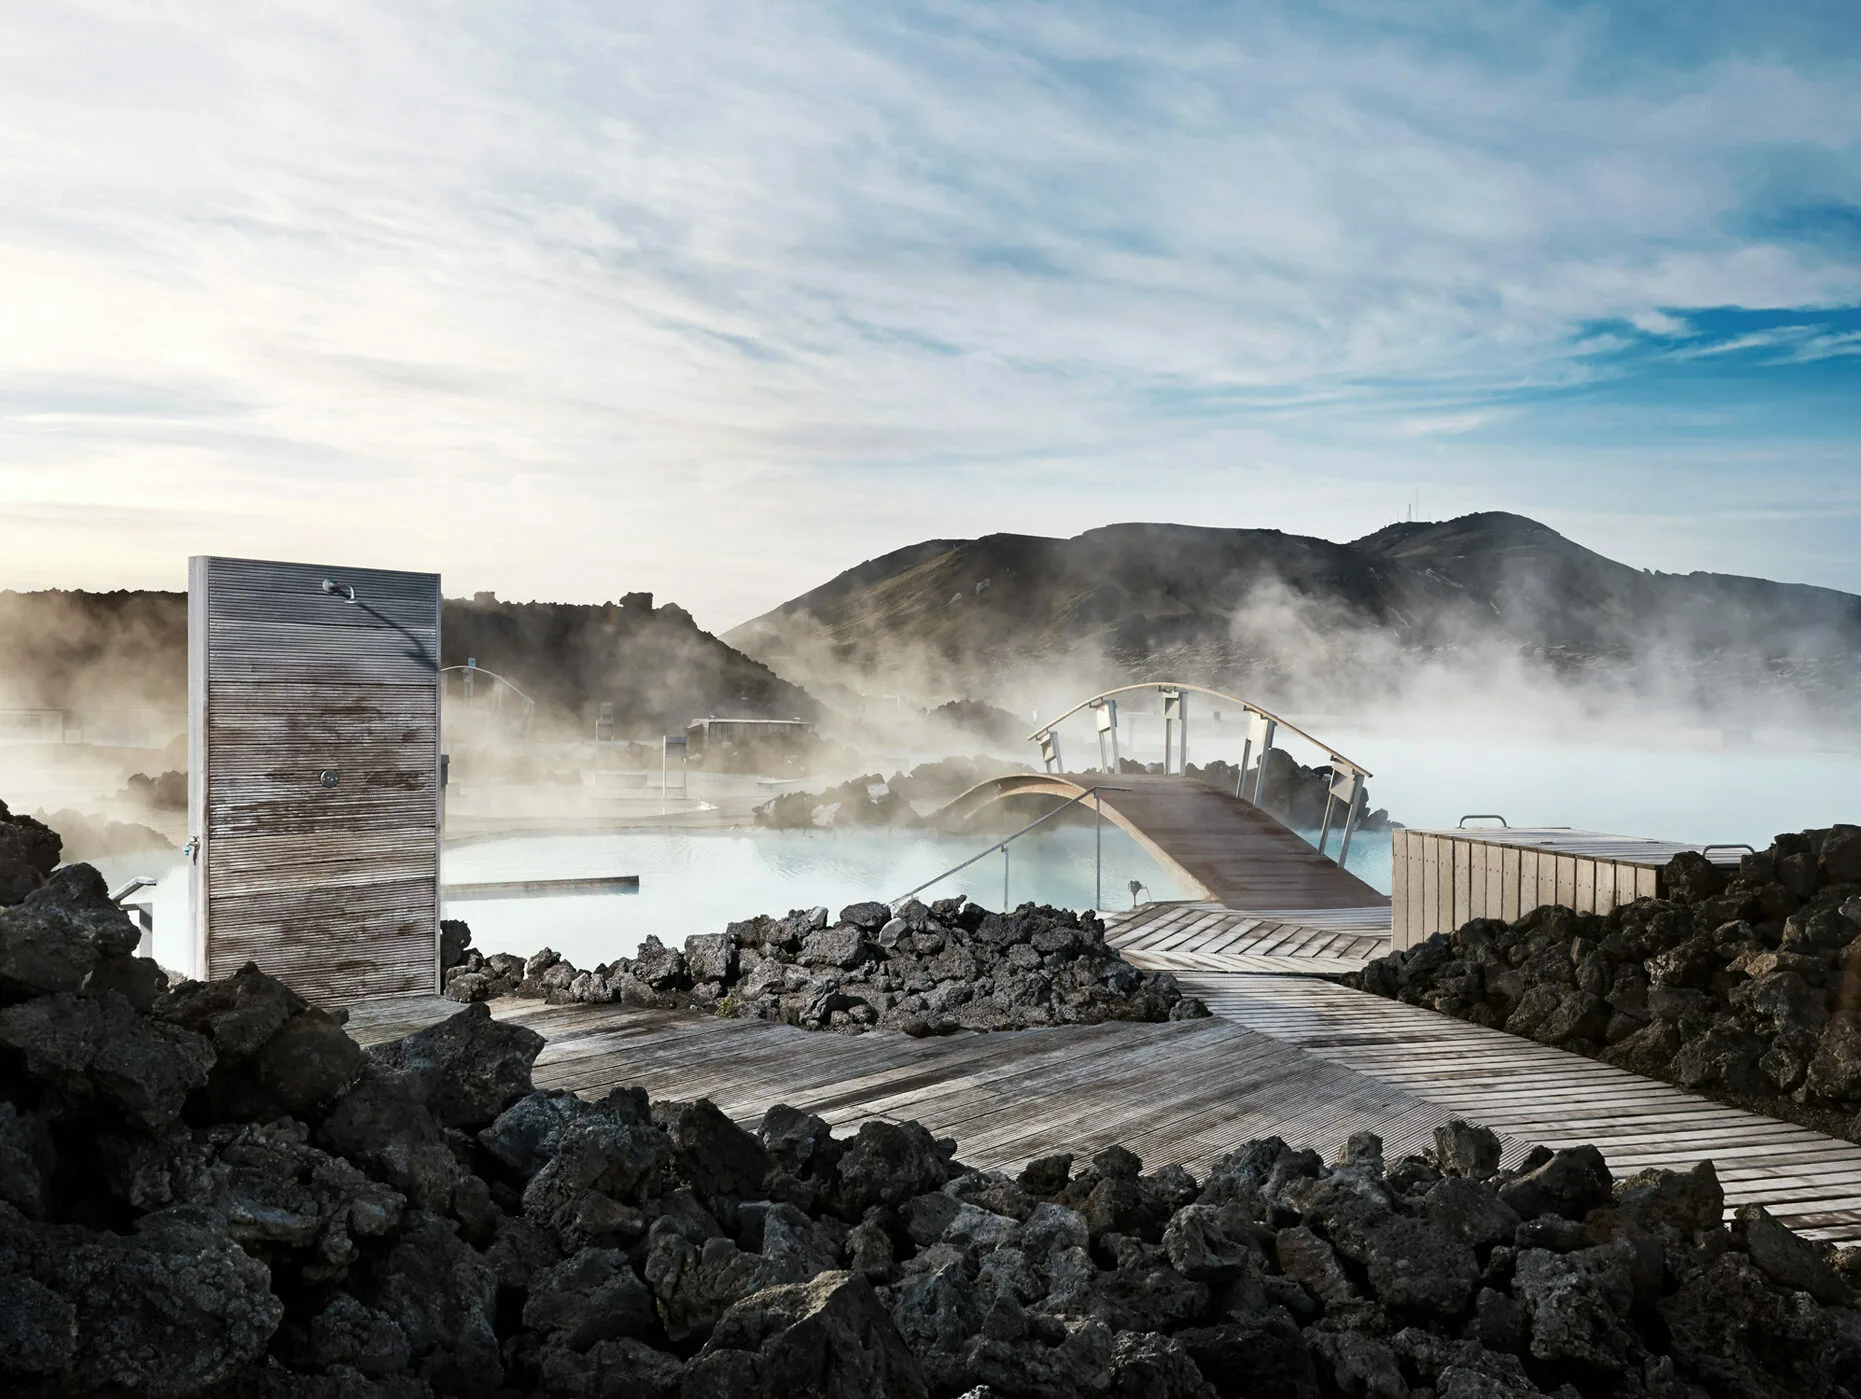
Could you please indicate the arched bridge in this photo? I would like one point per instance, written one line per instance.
(1225, 848)
(1216, 842)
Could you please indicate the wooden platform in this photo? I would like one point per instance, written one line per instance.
(1296, 1057)
(1530, 1093)
(1225, 849)
(1207, 937)
(1189, 1092)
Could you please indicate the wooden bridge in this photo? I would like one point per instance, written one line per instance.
(1226, 849)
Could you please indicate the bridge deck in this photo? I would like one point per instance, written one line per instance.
(1294, 1056)
(1231, 850)
(1207, 937)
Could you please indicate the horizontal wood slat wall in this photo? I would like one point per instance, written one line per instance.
(331, 886)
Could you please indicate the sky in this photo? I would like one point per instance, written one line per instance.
(567, 300)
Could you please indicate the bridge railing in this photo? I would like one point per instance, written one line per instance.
(1349, 779)
(1098, 850)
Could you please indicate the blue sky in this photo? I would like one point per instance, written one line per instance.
(571, 299)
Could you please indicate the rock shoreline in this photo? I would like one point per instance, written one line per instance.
(927, 969)
(1745, 987)
(211, 1190)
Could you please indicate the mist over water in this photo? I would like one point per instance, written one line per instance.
(697, 882)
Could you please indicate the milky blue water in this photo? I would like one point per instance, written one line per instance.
(696, 882)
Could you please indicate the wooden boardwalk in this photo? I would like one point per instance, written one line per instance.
(1225, 849)
(1530, 1093)
(1207, 937)
(1188, 1092)
(1296, 1057)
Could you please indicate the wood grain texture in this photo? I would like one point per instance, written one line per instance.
(1295, 1057)
(1531, 1093)
(329, 884)
(1225, 849)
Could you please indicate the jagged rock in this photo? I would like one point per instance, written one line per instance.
(274, 1053)
(99, 1053)
(1471, 1211)
(381, 1126)
(1578, 1303)
(829, 1337)
(1149, 1365)
(886, 1164)
(1788, 1259)
(1260, 1356)
(1572, 1182)
(627, 1369)
(714, 1154)
(1351, 1363)
(173, 1308)
(29, 852)
(27, 1159)
(348, 1333)
(591, 1297)
(1741, 1338)
(602, 1164)
(279, 1195)
(444, 1299)
(527, 1133)
(467, 1069)
(711, 957)
(58, 931)
(799, 1142)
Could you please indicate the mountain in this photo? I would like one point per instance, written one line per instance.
(126, 651)
(1303, 620)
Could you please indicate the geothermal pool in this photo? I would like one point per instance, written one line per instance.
(697, 881)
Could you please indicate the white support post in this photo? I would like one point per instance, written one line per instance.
(1267, 728)
(1050, 751)
(1106, 715)
(1352, 814)
(1172, 722)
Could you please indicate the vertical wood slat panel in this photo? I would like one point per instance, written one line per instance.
(1444, 876)
(1583, 891)
(1509, 883)
(1476, 879)
(1463, 882)
(1418, 889)
(1565, 880)
(1431, 885)
(1529, 890)
(1398, 889)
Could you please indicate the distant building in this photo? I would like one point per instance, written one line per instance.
(700, 733)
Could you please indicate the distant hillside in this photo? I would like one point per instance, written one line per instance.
(123, 650)
(1304, 620)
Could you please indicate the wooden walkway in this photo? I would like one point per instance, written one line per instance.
(1530, 1093)
(1296, 1057)
(1189, 1092)
(1225, 849)
(1207, 937)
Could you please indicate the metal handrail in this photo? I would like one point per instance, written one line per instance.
(1248, 705)
(1483, 816)
(1003, 844)
(141, 881)
(1727, 845)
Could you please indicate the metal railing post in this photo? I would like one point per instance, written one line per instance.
(1002, 845)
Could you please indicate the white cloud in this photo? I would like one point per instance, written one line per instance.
(575, 298)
